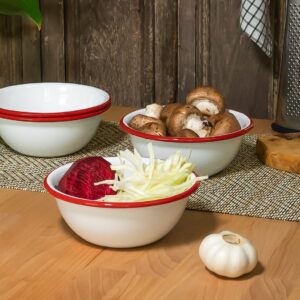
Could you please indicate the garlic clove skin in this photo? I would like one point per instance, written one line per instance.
(228, 254)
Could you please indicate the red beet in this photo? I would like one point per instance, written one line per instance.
(80, 178)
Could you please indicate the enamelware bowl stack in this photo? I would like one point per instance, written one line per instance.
(50, 119)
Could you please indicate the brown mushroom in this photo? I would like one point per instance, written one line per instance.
(214, 119)
(154, 128)
(176, 120)
(140, 120)
(167, 111)
(227, 124)
(187, 117)
(187, 133)
(207, 100)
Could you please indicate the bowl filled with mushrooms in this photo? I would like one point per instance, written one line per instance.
(201, 129)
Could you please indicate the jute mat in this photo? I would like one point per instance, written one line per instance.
(246, 187)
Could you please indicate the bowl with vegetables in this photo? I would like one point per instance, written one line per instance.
(124, 201)
(50, 119)
(201, 129)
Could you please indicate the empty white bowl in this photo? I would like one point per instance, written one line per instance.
(49, 139)
(47, 99)
(117, 224)
(50, 119)
(209, 155)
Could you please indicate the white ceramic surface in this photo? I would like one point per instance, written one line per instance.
(113, 226)
(51, 97)
(121, 227)
(48, 139)
(209, 157)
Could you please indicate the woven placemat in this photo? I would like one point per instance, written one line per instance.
(246, 187)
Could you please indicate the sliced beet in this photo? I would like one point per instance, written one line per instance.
(79, 180)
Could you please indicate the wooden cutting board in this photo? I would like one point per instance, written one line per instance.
(280, 151)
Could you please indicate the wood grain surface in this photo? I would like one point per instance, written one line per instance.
(278, 8)
(72, 41)
(31, 54)
(52, 41)
(41, 258)
(110, 47)
(10, 50)
(186, 47)
(142, 51)
(165, 47)
(147, 75)
(231, 67)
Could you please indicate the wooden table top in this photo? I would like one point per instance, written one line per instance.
(41, 258)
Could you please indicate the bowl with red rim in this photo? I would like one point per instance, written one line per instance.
(50, 119)
(51, 100)
(118, 224)
(209, 155)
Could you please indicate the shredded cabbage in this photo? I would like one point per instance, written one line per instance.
(147, 181)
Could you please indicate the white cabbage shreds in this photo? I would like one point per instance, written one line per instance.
(139, 181)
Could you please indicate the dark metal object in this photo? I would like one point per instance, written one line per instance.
(288, 107)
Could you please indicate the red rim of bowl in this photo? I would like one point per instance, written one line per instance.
(86, 202)
(34, 115)
(57, 119)
(169, 139)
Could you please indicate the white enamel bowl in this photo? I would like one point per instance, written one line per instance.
(117, 224)
(47, 100)
(209, 155)
(51, 138)
(50, 119)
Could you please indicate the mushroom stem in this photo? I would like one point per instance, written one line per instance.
(153, 110)
(206, 106)
(194, 123)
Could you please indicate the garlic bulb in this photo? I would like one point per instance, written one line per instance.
(228, 254)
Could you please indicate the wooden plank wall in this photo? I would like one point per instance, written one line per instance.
(142, 51)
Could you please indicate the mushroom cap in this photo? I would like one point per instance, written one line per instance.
(187, 133)
(167, 111)
(205, 93)
(154, 128)
(214, 119)
(140, 120)
(227, 124)
(179, 115)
